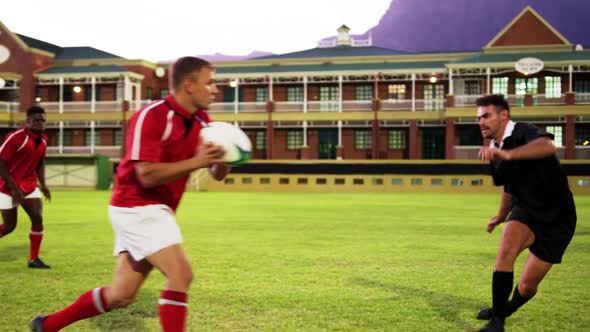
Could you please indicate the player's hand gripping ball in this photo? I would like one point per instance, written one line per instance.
(237, 145)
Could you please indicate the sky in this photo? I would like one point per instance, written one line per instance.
(167, 29)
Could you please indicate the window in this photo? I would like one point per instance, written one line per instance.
(294, 139)
(329, 98)
(67, 138)
(302, 181)
(260, 140)
(397, 139)
(264, 180)
(557, 131)
(456, 182)
(436, 182)
(295, 93)
(149, 93)
(364, 92)
(396, 91)
(358, 182)
(500, 85)
(164, 93)
(363, 139)
(434, 97)
(416, 182)
(583, 136)
(527, 85)
(117, 137)
(472, 88)
(469, 136)
(397, 181)
(283, 180)
(552, 86)
(261, 95)
(582, 86)
(87, 137)
(339, 181)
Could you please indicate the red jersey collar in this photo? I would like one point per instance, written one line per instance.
(176, 107)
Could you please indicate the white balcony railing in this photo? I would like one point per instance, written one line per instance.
(515, 100)
(323, 106)
(396, 105)
(466, 100)
(8, 107)
(289, 106)
(111, 151)
(83, 106)
(222, 108)
(549, 100)
(583, 98)
(357, 105)
(252, 107)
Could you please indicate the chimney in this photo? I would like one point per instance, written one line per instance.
(343, 36)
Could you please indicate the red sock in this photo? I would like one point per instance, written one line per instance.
(172, 310)
(35, 237)
(1, 230)
(88, 305)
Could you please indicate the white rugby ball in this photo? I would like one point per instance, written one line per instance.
(237, 145)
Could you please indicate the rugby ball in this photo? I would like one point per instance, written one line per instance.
(237, 145)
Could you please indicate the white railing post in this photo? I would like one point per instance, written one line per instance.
(570, 70)
(451, 81)
(61, 138)
(488, 74)
(93, 96)
(61, 96)
(92, 134)
(340, 93)
(304, 94)
(237, 97)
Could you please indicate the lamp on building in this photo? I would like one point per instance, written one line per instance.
(77, 89)
(2, 83)
(38, 99)
(233, 84)
(433, 79)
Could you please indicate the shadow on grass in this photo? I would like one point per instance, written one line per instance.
(448, 307)
(131, 318)
(14, 252)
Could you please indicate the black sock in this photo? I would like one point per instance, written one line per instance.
(517, 301)
(501, 287)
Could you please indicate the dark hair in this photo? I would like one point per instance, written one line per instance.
(35, 110)
(497, 100)
(185, 66)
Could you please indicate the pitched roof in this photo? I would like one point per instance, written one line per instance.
(513, 57)
(39, 44)
(83, 69)
(84, 52)
(338, 51)
(360, 67)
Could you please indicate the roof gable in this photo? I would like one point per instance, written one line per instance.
(527, 29)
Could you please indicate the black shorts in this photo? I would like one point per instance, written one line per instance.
(553, 230)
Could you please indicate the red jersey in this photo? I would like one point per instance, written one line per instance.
(23, 151)
(161, 132)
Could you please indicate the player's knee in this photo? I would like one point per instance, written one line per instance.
(507, 255)
(182, 278)
(121, 300)
(8, 228)
(37, 220)
(527, 288)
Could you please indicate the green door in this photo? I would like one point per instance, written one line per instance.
(433, 143)
(328, 140)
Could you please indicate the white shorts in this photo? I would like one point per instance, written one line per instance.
(143, 230)
(6, 200)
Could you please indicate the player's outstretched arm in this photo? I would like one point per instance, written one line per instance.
(154, 174)
(536, 149)
(17, 195)
(41, 179)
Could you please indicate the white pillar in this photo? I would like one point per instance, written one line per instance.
(61, 138)
(488, 74)
(340, 93)
(93, 96)
(61, 95)
(451, 81)
(127, 89)
(237, 97)
(304, 94)
(92, 135)
(413, 92)
(137, 96)
(570, 69)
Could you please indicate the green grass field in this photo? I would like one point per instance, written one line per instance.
(300, 262)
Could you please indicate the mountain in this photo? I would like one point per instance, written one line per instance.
(468, 25)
